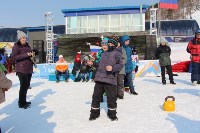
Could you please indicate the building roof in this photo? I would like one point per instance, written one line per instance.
(104, 10)
(36, 29)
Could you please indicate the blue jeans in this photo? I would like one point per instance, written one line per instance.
(195, 76)
(129, 80)
(58, 73)
(85, 76)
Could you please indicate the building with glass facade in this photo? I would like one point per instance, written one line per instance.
(105, 19)
(176, 27)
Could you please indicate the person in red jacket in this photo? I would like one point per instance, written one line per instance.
(77, 67)
(194, 49)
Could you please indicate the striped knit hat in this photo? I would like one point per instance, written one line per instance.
(114, 40)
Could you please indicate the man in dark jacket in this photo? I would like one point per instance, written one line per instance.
(163, 54)
(106, 80)
(21, 53)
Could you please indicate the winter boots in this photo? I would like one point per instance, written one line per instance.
(25, 106)
(171, 82)
(112, 115)
(133, 93)
(95, 113)
(194, 83)
(114, 118)
(164, 82)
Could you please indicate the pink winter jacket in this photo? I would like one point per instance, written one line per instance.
(4, 84)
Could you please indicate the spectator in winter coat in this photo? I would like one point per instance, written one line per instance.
(2, 56)
(5, 84)
(106, 80)
(135, 58)
(21, 53)
(163, 54)
(194, 49)
(3, 69)
(120, 76)
(77, 66)
(85, 69)
(61, 68)
(104, 45)
(125, 41)
(135, 61)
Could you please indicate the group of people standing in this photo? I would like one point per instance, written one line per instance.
(114, 67)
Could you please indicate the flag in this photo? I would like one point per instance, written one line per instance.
(169, 4)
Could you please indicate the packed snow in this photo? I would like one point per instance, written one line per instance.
(65, 107)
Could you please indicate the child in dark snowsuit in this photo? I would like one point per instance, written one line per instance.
(106, 80)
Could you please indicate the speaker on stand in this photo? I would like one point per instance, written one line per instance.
(39, 46)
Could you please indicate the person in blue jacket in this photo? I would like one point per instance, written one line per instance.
(125, 41)
(3, 58)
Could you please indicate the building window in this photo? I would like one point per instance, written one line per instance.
(92, 24)
(103, 23)
(81, 24)
(71, 25)
(136, 22)
(126, 22)
(115, 23)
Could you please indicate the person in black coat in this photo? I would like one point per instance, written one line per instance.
(163, 54)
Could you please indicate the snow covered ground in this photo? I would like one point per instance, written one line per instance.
(65, 108)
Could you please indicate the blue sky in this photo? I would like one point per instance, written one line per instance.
(30, 13)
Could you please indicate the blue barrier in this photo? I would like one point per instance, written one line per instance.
(52, 77)
(44, 70)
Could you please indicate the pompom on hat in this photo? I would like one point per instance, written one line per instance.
(21, 34)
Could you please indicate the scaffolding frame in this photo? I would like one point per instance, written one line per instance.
(49, 36)
(153, 19)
